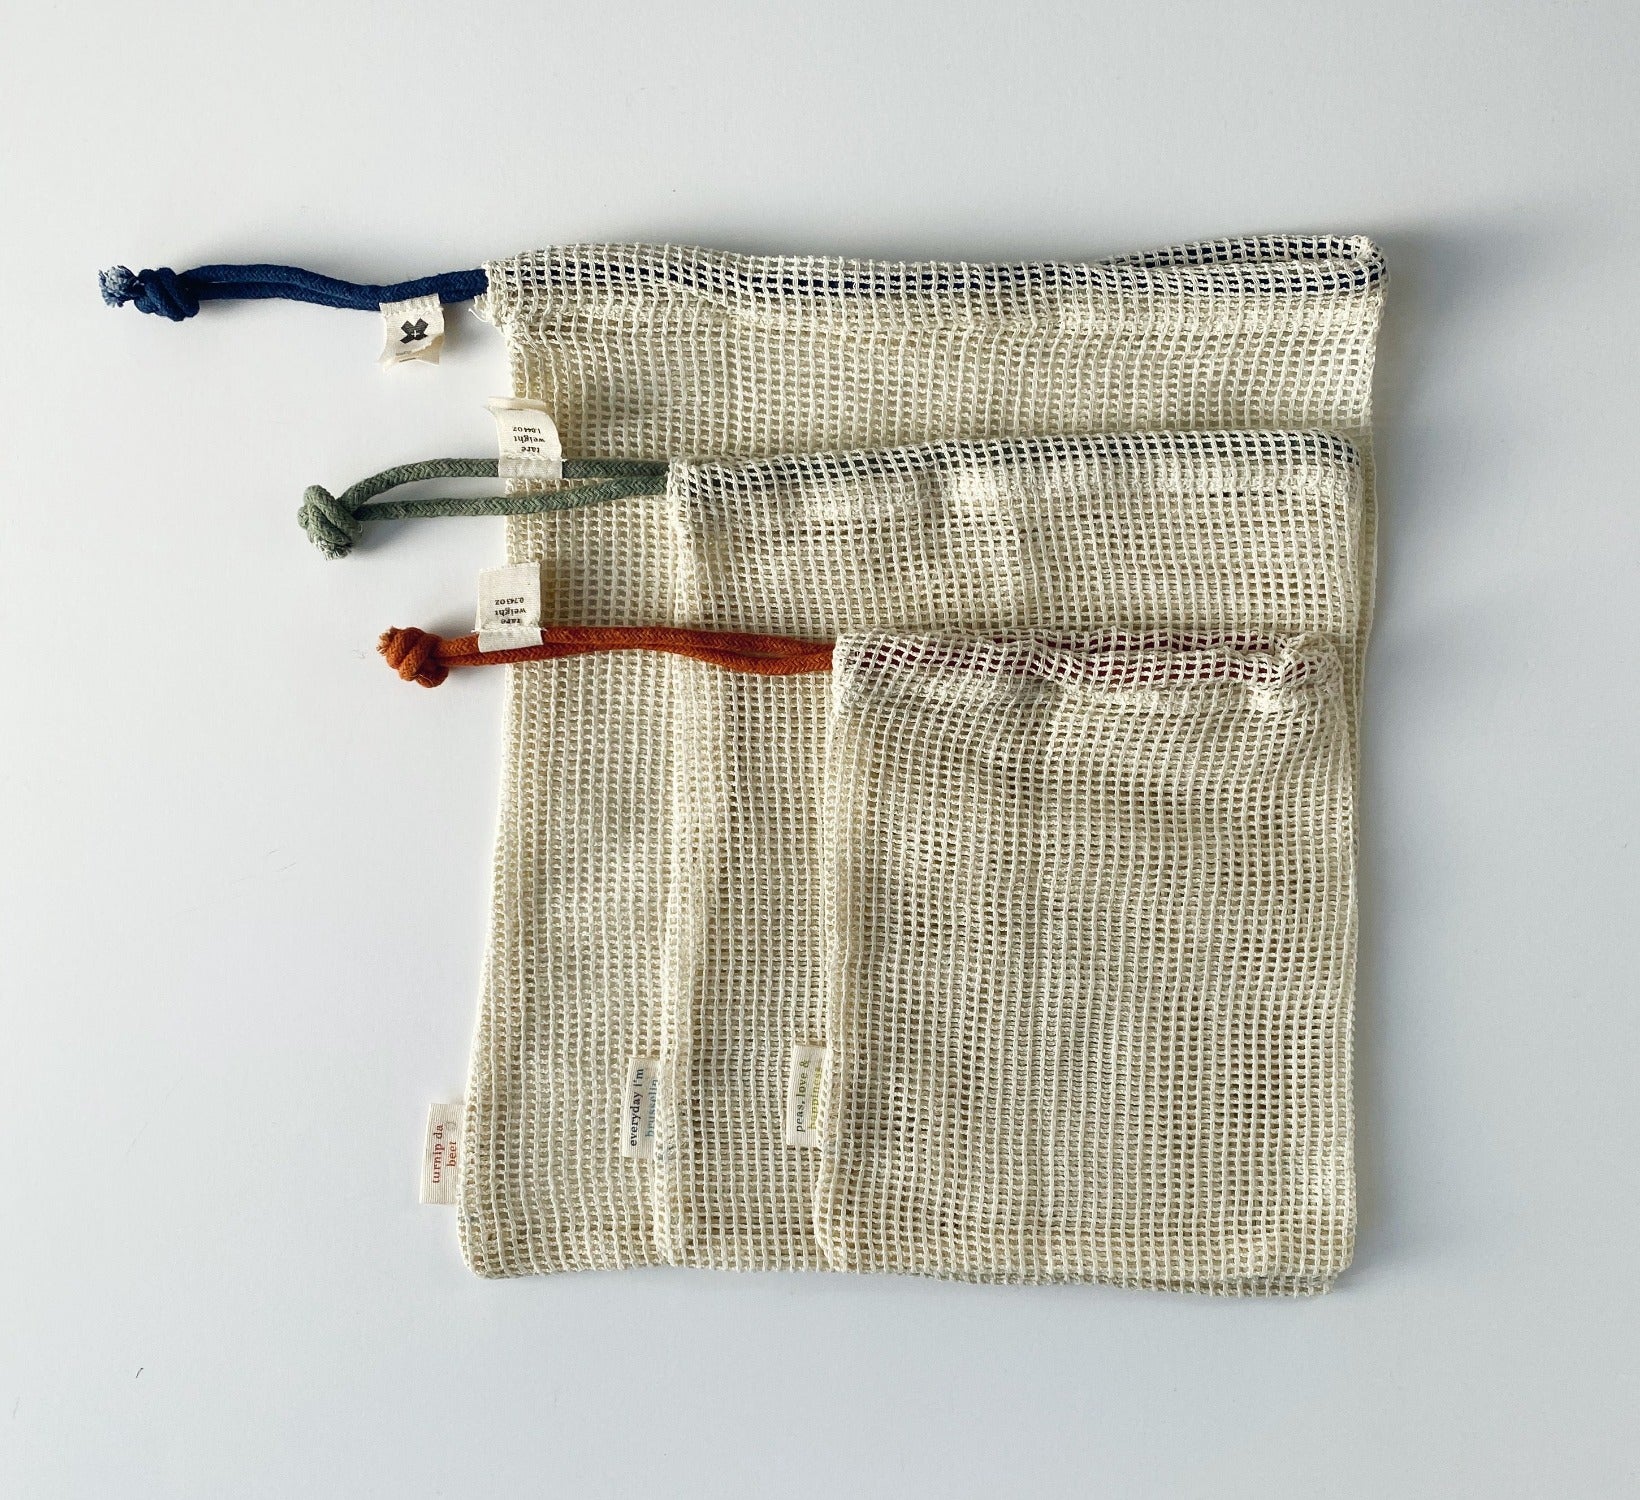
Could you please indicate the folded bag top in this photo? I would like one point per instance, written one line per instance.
(667, 352)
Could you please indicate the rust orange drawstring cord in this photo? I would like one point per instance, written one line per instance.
(420, 656)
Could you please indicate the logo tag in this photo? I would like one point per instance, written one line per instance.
(412, 330)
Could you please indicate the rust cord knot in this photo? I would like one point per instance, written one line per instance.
(413, 654)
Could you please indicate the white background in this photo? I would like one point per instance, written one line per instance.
(245, 868)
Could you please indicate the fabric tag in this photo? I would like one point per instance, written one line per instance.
(638, 1108)
(441, 1159)
(530, 448)
(509, 607)
(412, 330)
(803, 1095)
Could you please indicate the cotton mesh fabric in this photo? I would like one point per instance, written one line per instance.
(573, 970)
(1090, 953)
(662, 353)
(1239, 532)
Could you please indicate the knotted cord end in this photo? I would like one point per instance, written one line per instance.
(331, 525)
(413, 654)
(161, 292)
(118, 285)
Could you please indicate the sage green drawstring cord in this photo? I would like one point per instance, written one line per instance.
(334, 522)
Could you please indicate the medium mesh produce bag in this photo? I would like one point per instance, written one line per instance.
(1223, 532)
(1090, 947)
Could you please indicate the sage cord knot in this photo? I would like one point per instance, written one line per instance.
(332, 525)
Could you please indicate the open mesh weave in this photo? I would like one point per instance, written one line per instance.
(1090, 952)
(664, 353)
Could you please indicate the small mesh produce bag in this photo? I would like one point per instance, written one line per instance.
(1090, 945)
(1092, 894)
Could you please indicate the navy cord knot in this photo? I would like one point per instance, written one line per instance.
(332, 526)
(162, 292)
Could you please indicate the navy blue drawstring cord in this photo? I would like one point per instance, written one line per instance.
(177, 294)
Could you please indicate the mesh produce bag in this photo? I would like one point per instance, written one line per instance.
(1224, 532)
(660, 353)
(609, 936)
(1249, 532)
(1090, 949)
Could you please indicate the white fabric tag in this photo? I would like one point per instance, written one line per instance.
(509, 607)
(638, 1108)
(803, 1095)
(441, 1159)
(412, 330)
(530, 448)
